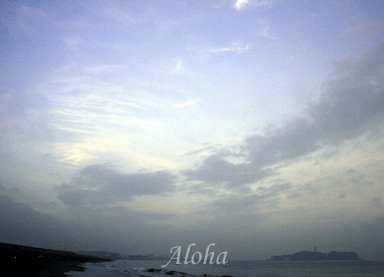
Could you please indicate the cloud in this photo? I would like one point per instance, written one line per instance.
(12, 190)
(21, 224)
(265, 32)
(235, 47)
(249, 202)
(217, 171)
(103, 69)
(97, 116)
(242, 4)
(187, 103)
(113, 12)
(73, 43)
(178, 68)
(102, 184)
(367, 31)
(29, 16)
(350, 106)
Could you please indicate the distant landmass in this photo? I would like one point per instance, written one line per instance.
(317, 256)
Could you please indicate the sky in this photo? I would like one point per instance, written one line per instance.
(137, 126)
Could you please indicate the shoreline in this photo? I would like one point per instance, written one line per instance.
(51, 269)
(20, 261)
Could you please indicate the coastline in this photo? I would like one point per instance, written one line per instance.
(51, 269)
(20, 261)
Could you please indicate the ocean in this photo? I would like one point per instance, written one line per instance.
(236, 268)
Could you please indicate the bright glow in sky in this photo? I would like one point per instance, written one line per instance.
(136, 126)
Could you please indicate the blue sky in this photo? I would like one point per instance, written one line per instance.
(255, 125)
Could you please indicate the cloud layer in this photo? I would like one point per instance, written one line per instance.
(350, 106)
(100, 101)
(102, 185)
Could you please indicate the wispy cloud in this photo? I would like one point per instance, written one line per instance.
(103, 69)
(100, 112)
(264, 31)
(29, 16)
(113, 12)
(242, 4)
(178, 68)
(235, 47)
(73, 43)
(83, 100)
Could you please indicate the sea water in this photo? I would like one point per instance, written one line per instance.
(236, 268)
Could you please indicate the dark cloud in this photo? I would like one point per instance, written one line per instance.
(358, 179)
(12, 190)
(113, 231)
(101, 184)
(216, 170)
(202, 150)
(250, 202)
(21, 224)
(377, 202)
(351, 105)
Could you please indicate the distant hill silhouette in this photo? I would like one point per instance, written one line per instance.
(33, 261)
(317, 256)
